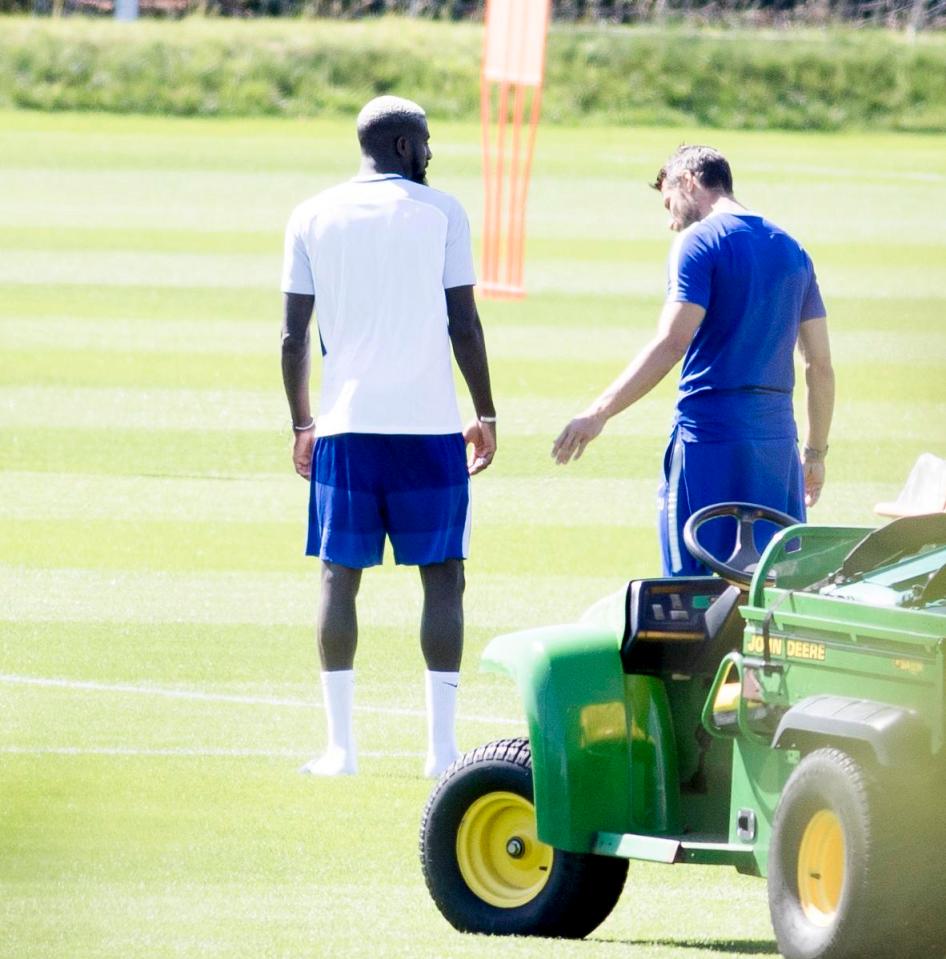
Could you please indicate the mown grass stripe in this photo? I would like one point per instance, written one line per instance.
(567, 500)
(613, 277)
(194, 752)
(218, 336)
(270, 661)
(156, 409)
(134, 304)
(925, 346)
(197, 695)
(171, 415)
(45, 239)
(648, 253)
(386, 598)
(512, 549)
(236, 456)
(134, 268)
(139, 305)
(183, 370)
(277, 505)
(209, 336)
(168, 409)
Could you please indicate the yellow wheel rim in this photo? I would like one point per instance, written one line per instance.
(499, 854)
(821, 868)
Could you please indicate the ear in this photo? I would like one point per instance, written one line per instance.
(402, 146)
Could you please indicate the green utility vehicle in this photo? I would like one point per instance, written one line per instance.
(786, 717)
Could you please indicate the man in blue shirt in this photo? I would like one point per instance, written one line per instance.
(740, 293)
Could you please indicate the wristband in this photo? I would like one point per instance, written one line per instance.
(815, 456)
(487, 419)
(304, 429)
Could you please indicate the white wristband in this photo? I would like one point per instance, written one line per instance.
(304, 429)
(487, 419)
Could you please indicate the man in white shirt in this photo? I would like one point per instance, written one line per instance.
(385, 262)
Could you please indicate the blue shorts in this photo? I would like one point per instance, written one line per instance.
(697, 474)
(413, 489)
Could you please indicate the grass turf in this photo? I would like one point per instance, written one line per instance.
(158, 682)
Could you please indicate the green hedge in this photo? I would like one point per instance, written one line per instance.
(827, 80)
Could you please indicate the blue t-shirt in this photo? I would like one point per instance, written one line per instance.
(757, 286)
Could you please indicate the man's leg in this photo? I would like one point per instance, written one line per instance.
(441, 641)
(345, 524)
(427, 512)
(765, 472)
(338, 620)
(673, 510)
(337, 638)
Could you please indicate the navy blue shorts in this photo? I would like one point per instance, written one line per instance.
(697, 474)
(413, 489)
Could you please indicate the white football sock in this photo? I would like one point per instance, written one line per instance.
(441, 696)
(340, 757)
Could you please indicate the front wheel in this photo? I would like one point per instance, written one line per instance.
(485, 866)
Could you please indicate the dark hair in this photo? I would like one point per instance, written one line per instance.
(383, 119)
(707, 164)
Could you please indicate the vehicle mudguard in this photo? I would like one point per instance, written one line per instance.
(895, 735)
(603, 752)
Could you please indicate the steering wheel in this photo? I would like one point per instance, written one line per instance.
(741, 564)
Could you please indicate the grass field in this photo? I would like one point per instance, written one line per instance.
(157, 674)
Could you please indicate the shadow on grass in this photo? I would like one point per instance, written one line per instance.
(728, 946)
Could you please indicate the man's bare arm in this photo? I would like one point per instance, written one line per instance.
(297, 314)
(469, 348)
(678, 322)
(815, 348)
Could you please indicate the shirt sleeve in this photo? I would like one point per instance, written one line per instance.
(458, 255)
(690, 270)
(813, 305)
(296, 268)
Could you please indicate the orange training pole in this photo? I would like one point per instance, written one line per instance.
(513, 70)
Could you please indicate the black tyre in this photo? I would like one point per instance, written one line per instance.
(844, 873)
(918, 803)
(486, 869)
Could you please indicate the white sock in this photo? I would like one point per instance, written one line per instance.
(340, 757)
(441, 695)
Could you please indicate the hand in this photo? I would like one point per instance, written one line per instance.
(814, 480)
(302, 445)
(576, 436)
(483, 438)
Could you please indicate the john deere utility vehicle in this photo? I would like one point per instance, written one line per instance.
(785, 717)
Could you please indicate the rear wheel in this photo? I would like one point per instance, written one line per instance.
(820, 859)
(850, 867)
(485, 866)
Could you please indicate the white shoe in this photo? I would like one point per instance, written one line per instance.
(436, 766)
(334, 762)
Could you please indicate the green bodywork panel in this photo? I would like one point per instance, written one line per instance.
(832, 641)
(605, 745)
(759, 775)
(572, 691)
(601, 758)
(641, 766)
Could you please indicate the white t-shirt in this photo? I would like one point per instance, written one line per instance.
(377, 253)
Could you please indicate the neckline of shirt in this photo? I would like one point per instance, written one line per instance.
(732, 213)
(375, 177)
